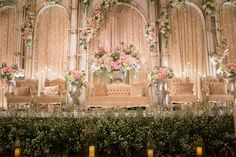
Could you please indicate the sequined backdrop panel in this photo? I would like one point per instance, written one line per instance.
(51, 44)
(9, 27)
(187, 46)
(228, 26)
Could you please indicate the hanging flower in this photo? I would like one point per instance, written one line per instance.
(76, 78)
(151, 34)
(215, 58)
(85, 36)
(28, 26)
(209, 8)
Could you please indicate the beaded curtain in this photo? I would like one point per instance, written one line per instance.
(228, 26)
(51, 45)
(9, 25)
(187, 47)
(123, 24)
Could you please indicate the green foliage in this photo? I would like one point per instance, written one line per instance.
(119, 134)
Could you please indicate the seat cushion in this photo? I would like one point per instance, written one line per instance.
(99, 90)
(220, 98)
(118, 90)
(137, 89)
(113, 101)
(183, 98)
(184, 88)
(51, 90)
(218, 88)
(49, 99)
(19, 99)
(22, 91)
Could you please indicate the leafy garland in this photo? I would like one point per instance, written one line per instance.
(209, 8)
(94, 22)
(86, 3)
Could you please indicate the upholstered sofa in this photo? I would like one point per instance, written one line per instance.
(118, 96)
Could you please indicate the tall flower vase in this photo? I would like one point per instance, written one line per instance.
(118, 76)
(232, 85)
(161, 92)
(75, 96)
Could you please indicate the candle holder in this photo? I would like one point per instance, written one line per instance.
(17, 149)
(150, 147)
(199, 147)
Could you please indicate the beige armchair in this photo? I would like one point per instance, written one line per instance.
(215, 91)
(23, 94)
(53, 93)
(180, 92)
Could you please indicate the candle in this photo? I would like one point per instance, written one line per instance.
(150, 152)
(199, 151)
(91, 151)
(17, 152)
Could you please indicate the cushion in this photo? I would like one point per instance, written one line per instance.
(184, 88)
(218, 88)
(137, 89)
(22, 91)
(99, 90)
(51, 90)
(118, 90)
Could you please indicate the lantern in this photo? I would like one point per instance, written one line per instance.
(91, 151)
(150, 147)
(17, 149)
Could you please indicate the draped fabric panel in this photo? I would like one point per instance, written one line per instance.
(187, 46)
(51, 45)
(228, 25)
(9, 25)
(123, 24)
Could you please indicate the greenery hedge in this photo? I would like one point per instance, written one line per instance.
(119, 134)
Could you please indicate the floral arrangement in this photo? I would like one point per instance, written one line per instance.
(161, 74)
(151, 34)
(118, 60)
(209, 8)
(176, 3)
(11, 73)
(231, 70)
(76, 78)
(164, 25)
(94, 21)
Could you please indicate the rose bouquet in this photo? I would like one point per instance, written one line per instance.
(118, 60)
(11, 72)
(161, 74)
(76, 78)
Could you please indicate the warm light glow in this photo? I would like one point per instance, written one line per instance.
(91, 151)
(17, 152)
(199, 151)
(150, 153)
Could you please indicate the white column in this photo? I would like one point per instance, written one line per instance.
(73, 35)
